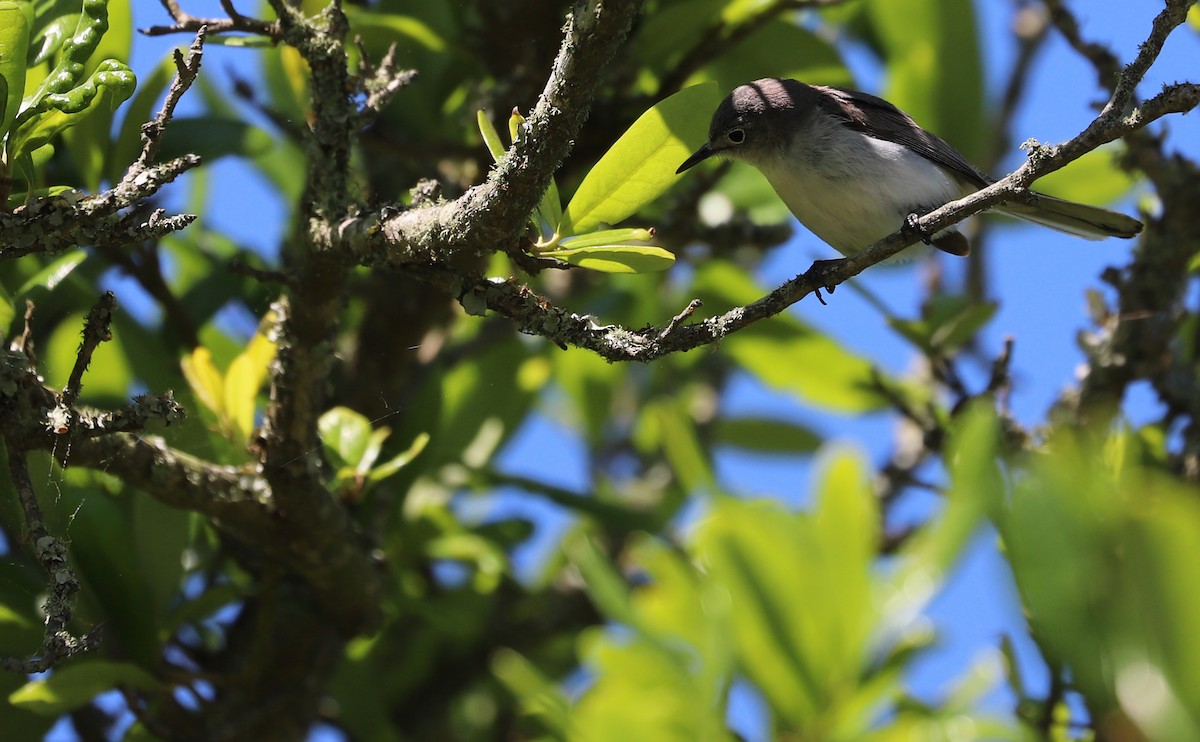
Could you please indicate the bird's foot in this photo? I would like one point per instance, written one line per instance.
(819, 274)
(912, 228)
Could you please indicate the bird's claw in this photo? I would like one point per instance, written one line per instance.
(819, 274)
(912, 226)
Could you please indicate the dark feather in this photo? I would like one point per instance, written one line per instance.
(890, 124)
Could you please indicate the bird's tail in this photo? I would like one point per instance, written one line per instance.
(1081, 220)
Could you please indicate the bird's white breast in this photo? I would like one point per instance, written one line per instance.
(852, 190)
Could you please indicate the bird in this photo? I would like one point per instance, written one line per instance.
(853, 168)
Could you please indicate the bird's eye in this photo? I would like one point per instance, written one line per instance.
(736, 136)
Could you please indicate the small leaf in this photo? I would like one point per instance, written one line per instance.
(606, 237)
(491, 137)
(617, 258)
(345, 433)
(240, 42)
(398, 462)
(244, 378)
(52, 275)
(205, 380)
(16, 19)
(641, 165)
(765, 435)
(75, 685)
(537, 694)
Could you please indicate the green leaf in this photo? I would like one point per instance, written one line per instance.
(16, 20)
(205, 379)
(1095, 178)
(8, 312)
(491, 137)
(538, 695)
(950, 321)
(400, 460)
(240, 42)
(936, 76)
(213, 137)
(765, 435)
(52, 275)
(110, 84)
(616, 258)
(781, 49)
(76, 684)
(244, 378)
(681, 447)
(345, 433)
(606, 237)
(785, 353)
(605, 585)
(411, 31)
(641, 165)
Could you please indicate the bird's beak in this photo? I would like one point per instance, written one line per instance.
(699, 156)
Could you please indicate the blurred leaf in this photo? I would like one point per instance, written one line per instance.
(108, 378)
(538, 695)
(16, 22)
(616, 258)
(344, 433)
(605, 585)
(400, 460)
(783, 352)
(765, 435)
(213, 137)
(401, 29)
(491, 137)
(778, 49)
(935, 76)
(77, 683)
(1095, 179)
(949, 322)
(49, 277)
(243, 380)
(641, 165)
(750, 193)
(204, 379)
(681, 446)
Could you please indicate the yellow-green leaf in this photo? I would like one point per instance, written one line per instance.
(205, 380)
(642, 163)
(617, 258)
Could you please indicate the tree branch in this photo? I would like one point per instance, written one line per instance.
(493, 215)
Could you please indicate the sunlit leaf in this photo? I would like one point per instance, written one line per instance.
(52, 275)
(76, 684)
(641, 165)
(616, 258)
(205, 380)
(16, 21)
(1095, 178)
(765, 435)
(346, 434)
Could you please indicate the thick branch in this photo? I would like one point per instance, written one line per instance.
(492, 215)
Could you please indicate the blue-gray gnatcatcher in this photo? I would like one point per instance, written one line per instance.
(852, 167)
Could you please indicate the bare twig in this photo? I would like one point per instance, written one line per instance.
(235, 23)
(58, 642)
(96, 330)
(186, 69)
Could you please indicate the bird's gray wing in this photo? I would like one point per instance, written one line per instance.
(890, 124)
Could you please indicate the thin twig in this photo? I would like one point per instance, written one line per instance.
(96, 330)
(58, 643)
